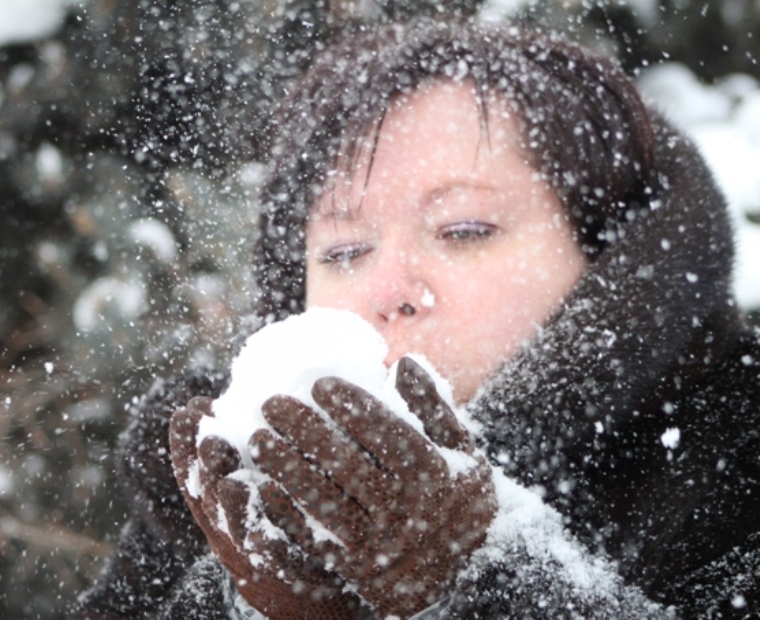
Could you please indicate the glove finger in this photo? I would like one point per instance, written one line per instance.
(394, 443)
(234, 497)
(320, 497)
(474, 508)
(281, 582)
(232, 546)
(343, 460)
(282, 511)
(217, 459)
(183, 429)
(279, 569)
(382, 496)
(419, 391)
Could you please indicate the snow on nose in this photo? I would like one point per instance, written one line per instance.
(428, 298)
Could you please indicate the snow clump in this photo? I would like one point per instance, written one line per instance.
(289, 356)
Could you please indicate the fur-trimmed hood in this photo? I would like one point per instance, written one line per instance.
(636, 410)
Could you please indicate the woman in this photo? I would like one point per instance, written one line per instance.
(503, 202)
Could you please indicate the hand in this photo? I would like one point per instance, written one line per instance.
(269, 573)
(397, 524)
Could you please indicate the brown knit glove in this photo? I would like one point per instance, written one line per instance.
(269, 573)
(395, 523)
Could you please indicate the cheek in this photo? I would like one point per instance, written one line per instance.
(327, 295)
(483, 298)
(319, 290)
(475, 324)
(486, 316)
(325, 292)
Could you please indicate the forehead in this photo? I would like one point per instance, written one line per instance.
(444, 133)
(451, 110)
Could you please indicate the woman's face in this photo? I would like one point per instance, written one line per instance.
(453, 223)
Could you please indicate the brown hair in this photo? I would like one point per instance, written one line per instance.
(583, 125)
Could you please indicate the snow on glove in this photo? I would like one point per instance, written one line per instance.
(384, 508)
(269, 573)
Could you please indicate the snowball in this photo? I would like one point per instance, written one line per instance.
(289, 356)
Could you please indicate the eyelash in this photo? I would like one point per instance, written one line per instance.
(459, 233)
(467, 232)
(344, 254)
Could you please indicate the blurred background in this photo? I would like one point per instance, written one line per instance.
(133, 137)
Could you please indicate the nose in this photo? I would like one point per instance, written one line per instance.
(399, 292)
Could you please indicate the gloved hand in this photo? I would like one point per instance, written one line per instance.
(272, 575)
(386, 512)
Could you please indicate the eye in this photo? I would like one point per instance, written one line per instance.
(463, 232)
(342, 255)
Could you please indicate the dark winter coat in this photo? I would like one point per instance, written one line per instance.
(649, 341)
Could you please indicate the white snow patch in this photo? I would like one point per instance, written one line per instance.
(20, 76)
(49, 164)
(156, 236)
(671, 438)
(457, 461)
(724, 121)
(92, 409)
(428, 299)
(500, 10)
(524, 520)
(108, 295)
(252, 174)
(48, 252)
(29, 20)
(319, 532)
(193, 484)
(6, 481)
(287, 358)
(738, 601)
(222, 522)
(685, 100)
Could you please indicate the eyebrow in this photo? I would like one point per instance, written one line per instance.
(344, 214)
(440, 192)
(333, 213)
